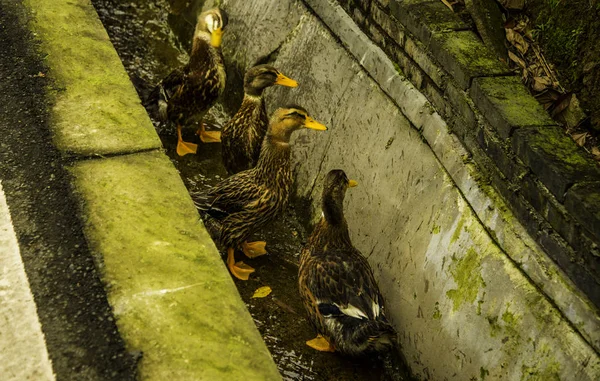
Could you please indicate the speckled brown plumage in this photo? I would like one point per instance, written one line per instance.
(242, 136)
(336, 283)
(239, 205)
(187, 93)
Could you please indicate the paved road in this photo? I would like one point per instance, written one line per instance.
(81, 338)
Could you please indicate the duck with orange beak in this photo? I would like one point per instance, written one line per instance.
(243, 203)
(186, 94)
(243, 135)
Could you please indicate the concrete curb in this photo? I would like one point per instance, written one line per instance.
(172, 297)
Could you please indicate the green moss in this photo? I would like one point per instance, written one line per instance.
(97, 110)
(471, 53)
(556, 143)
(398, 69)
(436, 311)
(494, 326)
(466, 274)
(483, 373)
(436, 229)
(171, 294)
(458, 230)
(513, 101)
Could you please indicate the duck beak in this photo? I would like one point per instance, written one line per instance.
(285, 81)
(352, 183)
(313, 124)
(215, 37)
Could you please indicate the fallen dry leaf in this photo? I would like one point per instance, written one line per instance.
(262, 292)
(596, 153)
(580, 138)
(446, 3)
(541, 83)
(561, 104)
(517, 40)
(516, 59)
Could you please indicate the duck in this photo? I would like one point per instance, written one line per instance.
(336, 283)
(239, 205)
(242, 136)
(187, 93)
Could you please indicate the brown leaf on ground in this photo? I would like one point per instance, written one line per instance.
(541, 83)
(573, 115)
(561, 104)
(446, 3)
(516, 59)
(596, 153)
(579, 138)
(517, 40)
(547, 98)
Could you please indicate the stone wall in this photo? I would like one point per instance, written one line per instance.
(551, 185)
(471, 293)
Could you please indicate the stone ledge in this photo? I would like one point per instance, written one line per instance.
(96, 108)
(172, 296)
(484, 114)
(510, 235)
(583, 200)
(425, 17)
(554, 158)
(507, 105)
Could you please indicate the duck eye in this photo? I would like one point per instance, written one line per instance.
(296, 113)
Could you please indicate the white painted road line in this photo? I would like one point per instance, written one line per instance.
(23, 353)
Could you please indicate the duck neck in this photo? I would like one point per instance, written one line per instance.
(273, 167)
(203, 53)
(333, 221)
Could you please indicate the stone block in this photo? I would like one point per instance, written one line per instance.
(172, 296)
(500, 153)
(465, 57)
(390, 25)
(419, 53)
(436, 96)
(507, 104)
(573, 266)
(95, 108)
(462, 104)
(554, 158)
(583, 201)
(423, 18)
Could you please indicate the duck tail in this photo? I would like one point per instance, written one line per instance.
(371, 336)
(156, 102)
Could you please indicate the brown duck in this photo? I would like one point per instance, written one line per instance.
(239, 205)
(187, 93)
(337, 285)
(243, 135)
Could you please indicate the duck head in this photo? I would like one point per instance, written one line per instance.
(212, 22)
(258, 78)
(285, 121)
(334, 191)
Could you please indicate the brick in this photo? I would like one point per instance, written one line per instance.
(419, 53)
(583, 202)
(423, 18)
(436, 97)
(390, 25)
(364, 5)
(554, 158)
(500, 154)
(507, 104)
(465, 57)
(462, 104)
(575, 269)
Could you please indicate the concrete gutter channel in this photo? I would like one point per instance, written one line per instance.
(173, 299)
(462, 305)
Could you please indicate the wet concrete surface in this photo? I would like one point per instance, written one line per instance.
(141, 34)
(77, 321)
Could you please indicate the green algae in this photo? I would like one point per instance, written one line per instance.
(96, 110)
(467, 275)
(509, 97)
(436, 311)
(172, 296)
(555, 143)
(458, 230)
